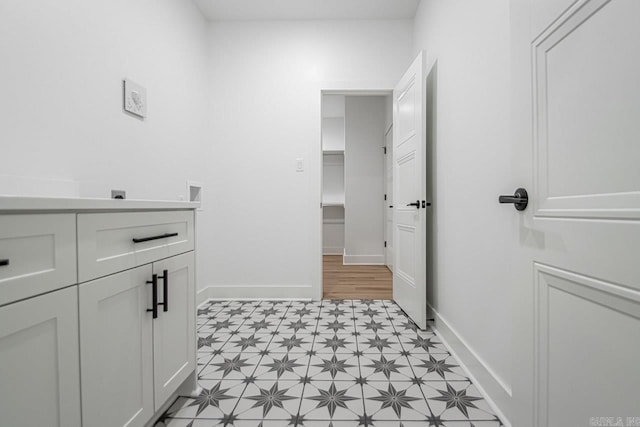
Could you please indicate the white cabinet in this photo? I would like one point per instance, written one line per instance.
(78, 344)
(174, 345)
(117, 312)
(39, 367)
(116, 349)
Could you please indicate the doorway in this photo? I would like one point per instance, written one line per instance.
(356, 239)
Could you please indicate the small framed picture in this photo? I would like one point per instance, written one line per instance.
(135, 98)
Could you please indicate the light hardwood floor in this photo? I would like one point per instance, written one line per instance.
(355, 281)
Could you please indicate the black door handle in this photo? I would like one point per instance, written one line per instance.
(391, 206)
(4, 262)
(154, 296)
(520, 199)
(416, 204)
(165, 290)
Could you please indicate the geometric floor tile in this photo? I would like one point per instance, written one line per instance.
(330, 363)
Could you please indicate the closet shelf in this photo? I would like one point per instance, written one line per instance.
(326, 152)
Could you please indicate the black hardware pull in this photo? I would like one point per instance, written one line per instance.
(4, 262)
(416, 204)
(520, 199)
(154, 296)
(161, 236)
(391, 206)
(165, 290)
(425, 204)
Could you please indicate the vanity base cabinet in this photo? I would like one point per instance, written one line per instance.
(97, 311)
(39, 366)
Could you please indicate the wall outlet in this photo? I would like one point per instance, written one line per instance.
(118, 194)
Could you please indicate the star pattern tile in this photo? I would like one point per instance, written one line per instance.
(338, 363)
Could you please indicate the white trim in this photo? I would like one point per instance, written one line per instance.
(332, 251)
(363, 259)
(202, 296)
(253, 292)
(496, 391)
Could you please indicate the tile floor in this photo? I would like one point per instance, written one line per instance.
(338, 363)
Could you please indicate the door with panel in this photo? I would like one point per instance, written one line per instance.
(576, 115)
(174, 343)
(116, 349)
(39, 366)
(409, 192)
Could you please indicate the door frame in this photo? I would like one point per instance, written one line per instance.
(355, 88)
(387, 200)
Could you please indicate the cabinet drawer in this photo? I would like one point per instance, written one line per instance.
(37, 254)
(106, 241)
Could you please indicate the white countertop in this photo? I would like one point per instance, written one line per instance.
(10, 204)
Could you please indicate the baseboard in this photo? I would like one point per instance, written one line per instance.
(497, 393)
(202, 296)
(332, 251)
(363, 259)
(255, 292)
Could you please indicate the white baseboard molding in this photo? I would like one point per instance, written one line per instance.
(363, 259)
(255, 292)
(497, 393)
(332, 251)
(202, 296)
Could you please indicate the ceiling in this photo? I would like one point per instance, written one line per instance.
(232, 10)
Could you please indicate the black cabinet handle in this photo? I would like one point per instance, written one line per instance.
(520, 199)
(416, 204)
(4, 262)
(165, 290)
(154, 296)
(161, 236)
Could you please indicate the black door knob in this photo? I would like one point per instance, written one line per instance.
(520, 199)
(416, 204)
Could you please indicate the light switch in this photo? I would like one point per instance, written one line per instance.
(299, 165)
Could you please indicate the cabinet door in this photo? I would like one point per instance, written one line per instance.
(116, 349)
(174, 345)
(39, 367)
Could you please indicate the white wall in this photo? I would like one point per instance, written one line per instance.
(469, 41)
(364, 179)
(266, 80)
(62, 129)
(61, 115)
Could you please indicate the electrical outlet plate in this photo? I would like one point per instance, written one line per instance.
(118, 194)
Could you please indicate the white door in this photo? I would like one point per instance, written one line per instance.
(174, 345)
(576, 106)
(39, 366)
(116, 349)
(388, 202)
(409, 187)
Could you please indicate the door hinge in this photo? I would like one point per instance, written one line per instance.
(385, 150)
(385, 243)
